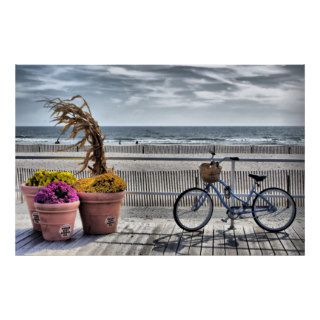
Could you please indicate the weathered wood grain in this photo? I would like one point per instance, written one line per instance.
(297, 242)
(298, 228)
(174, 241)
(207, 240)
(164, 237)
(218, 240)
(149, 239)
(28, 241)
(136, 240)
(26, 233)
(252, 241)
(161, 242)
(263, 241)
(55, 248)
(20, 232)
(241, 242)
(113, 244)
(287, 244)
(184, 244)
(230, 242)
(195, 243)
(276, 245)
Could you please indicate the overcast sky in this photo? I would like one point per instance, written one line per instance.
(166, 94)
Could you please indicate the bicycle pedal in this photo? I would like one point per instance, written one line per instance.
(225, 220)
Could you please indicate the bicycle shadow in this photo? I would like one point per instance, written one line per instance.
(182, 242)
(233, 240)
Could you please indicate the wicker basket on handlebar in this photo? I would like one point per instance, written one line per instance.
(210, 172)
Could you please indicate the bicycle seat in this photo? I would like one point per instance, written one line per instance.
(256, 177)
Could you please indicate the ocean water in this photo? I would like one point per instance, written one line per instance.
(172, 135)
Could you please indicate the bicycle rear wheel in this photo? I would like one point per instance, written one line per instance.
(274, 209)
(193, 209)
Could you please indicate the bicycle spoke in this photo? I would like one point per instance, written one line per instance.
(182, 213)
(279, 209)
(193, 209)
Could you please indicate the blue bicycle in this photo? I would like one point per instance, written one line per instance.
(273, 209)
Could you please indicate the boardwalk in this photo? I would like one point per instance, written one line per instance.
(143, 231)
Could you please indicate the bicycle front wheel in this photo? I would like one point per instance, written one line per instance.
(274, 209)
(193, 209)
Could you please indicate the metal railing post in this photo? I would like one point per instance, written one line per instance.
(233, 179)
(288, 189)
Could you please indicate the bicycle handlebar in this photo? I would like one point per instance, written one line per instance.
(225, 158)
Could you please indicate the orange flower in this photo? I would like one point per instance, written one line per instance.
(107, 182)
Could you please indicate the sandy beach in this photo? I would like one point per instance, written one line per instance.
(159, 165)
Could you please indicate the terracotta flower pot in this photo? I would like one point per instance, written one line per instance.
(57, 220)
(100, 212)
(29, 192)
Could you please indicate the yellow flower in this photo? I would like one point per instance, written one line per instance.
(104, 183)
(44, 177)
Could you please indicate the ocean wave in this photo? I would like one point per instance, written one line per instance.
(204, 139)
(234, 141)
(44, 141)
(174, 135)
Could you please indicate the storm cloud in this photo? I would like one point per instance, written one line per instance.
(167, 94)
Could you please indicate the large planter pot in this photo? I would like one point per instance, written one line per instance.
(57, 220)
(100, 212)
(29, 192)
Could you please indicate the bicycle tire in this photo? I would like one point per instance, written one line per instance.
(208, 215)
(292, 215)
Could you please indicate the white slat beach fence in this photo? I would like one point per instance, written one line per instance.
(168, 149)
(161, 188)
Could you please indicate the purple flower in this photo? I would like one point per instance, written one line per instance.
(56, 192)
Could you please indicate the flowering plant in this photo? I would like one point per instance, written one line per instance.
(56, 192)
(44, 177)
(107, 182)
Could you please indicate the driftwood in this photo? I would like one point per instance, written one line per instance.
(73, 116)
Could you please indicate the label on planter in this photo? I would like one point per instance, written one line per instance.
(65, 230)
(35, 217)
(110, 221)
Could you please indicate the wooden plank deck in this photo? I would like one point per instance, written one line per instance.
(161, 236)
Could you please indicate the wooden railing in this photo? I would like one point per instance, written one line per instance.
(168, 149)
(161, 188)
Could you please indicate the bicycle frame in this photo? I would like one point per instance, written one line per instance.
(245, 203)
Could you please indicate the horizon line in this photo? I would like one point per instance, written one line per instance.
(270, 125)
